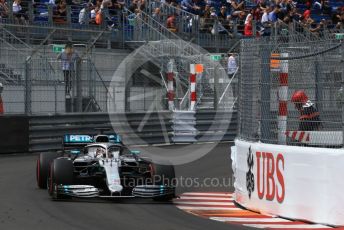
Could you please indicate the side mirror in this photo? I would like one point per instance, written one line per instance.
(135, 152)
(75, 152)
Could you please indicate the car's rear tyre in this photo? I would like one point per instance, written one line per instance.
(163, 175)
(61, 172)
(42, 167)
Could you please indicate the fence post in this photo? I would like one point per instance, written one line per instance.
(216, 84)
(10, 11)
(30, 12)
(318, 86)
(216, 33)
(69, 15)
(78, 86)
(265, 129)
(50, 14)
(27, 87)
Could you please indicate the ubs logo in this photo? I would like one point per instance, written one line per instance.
(249, 174)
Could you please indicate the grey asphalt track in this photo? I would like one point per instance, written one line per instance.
(24, 206)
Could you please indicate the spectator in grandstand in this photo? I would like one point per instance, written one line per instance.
(256, 13)
(213, 3)
(223, 16)
(84, 15)
(319, 27)
(192, 6)
(324, 6)
(157, 14)
(4, 10)
(224, 19)
(265, 23)
(97, 3)
(137, 4)
(295, 15)
(19, 13)
(283, 6)
(171, 23)
(307, 13)
(306, 20)
(51, 2)
(60, 12)
(273, 14)
(290, 5)
(236, 7)
(338, 19)
(117, 5)
(309, 115)
(265, 16)
(93, 15)
(240, 22)
(207, 21)
(248, 30)
(207, 10)
(105, 14)
(68, 60)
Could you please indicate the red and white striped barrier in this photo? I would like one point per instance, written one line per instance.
(300, 136)
(170, 87)
(317, 138)
(283, 100)
(193, 96)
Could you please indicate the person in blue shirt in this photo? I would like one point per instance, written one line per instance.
(273, 14)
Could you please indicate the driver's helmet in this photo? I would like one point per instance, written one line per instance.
(100, 152)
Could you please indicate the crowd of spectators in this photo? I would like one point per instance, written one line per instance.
(224, 15)
(82, 11)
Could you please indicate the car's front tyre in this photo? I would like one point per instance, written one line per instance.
(42, 167)
(164, 175)
(61, 173)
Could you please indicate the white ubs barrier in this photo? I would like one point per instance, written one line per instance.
(303, 183)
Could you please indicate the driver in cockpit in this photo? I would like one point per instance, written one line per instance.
(100, 152)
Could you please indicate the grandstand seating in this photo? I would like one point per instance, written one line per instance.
(41, 14)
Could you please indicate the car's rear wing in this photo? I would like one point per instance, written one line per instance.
(81, 140)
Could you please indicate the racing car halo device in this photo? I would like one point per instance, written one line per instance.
(101, 166)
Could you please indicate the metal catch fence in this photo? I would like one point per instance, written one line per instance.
(41, 86)
(291, 92)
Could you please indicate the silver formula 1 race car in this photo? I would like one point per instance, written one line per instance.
(101, 166)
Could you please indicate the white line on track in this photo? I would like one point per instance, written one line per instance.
(205, 203)
(207, 194)
(207, 208)
(289, 226)
(205, 198)
(248, 220)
